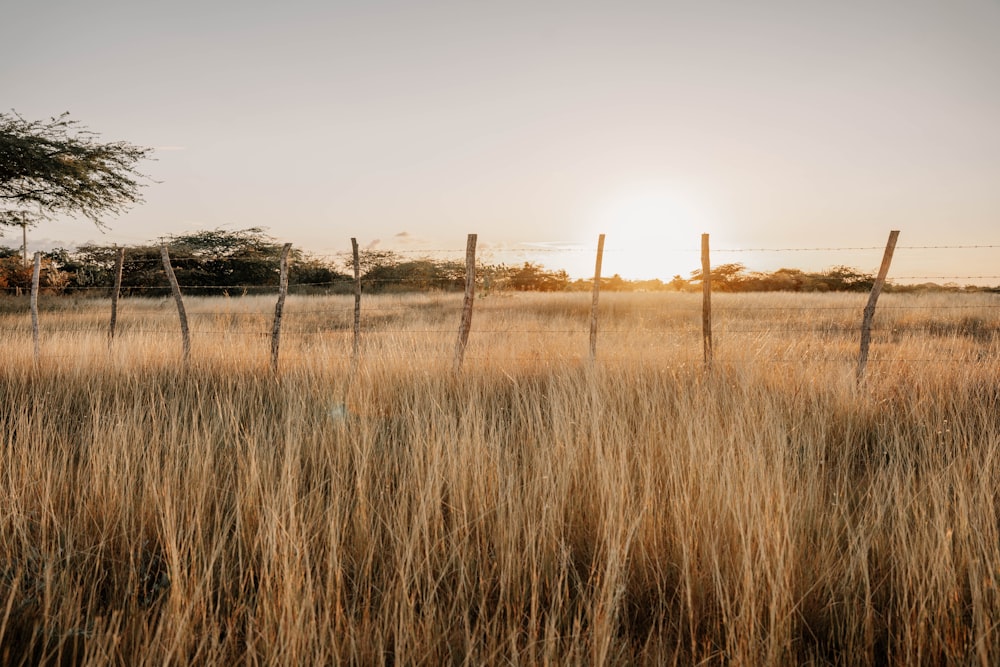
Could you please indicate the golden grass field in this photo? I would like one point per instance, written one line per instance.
(534, 509)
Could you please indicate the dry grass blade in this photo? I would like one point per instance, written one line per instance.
(533, 509)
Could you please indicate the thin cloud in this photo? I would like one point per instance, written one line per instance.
(407, 239)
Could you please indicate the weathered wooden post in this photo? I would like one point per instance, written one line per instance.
(357, 300)
(35, 275)
(176, 289)
(280, 306)
(115, 292)
(869, 313)
(595, 294)
(706, 301)
(470, 293)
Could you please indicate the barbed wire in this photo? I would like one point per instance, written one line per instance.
(429, 286)
(590, 249)
(197, 256)
(375, 329)
(200, 260)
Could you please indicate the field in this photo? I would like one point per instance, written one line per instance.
(534, 509)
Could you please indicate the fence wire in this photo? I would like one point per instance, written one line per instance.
(674, 325)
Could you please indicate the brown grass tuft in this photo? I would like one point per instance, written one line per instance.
(532, 510)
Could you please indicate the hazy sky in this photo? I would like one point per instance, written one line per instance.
(765, 124)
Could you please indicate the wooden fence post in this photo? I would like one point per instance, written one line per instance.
(280, 306)
(115, 292)
(357, 300)
(470, 293)
(176, 289)
(35, 274)
(869, 313)
(595, 294)
(706, 301)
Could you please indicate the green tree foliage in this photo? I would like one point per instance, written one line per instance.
(369, 259)
(221, 259)
(247, 261)
(59, 167)
(846, 279)
(311, 274)
(415, 275)
(735, 278)
(532, 277)
(724, 278)
(387, 271)
(206, 262)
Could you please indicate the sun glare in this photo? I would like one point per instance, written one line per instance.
(651, 233)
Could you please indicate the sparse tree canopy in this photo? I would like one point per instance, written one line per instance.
(58, 166)
(215, 261)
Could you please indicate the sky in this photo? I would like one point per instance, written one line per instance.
(539, 125)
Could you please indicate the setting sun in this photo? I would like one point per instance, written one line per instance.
(652, 232)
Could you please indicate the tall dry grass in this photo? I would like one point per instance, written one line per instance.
(532, 510)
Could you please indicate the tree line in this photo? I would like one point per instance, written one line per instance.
(217, 262)
(58, 167)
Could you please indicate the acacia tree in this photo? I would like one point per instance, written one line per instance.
(59, 167)
(725, 277)
(215, 261)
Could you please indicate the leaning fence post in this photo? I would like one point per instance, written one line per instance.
(280, 306)
(34, 303)
(706, 301)
(119, 263)
(470, 293)
(357, 300)
(595, 294)
(176, 289)
(869, 313)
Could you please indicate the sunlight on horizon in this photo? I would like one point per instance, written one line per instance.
(652, 231)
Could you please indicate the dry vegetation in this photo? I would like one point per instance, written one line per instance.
(533, 510)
